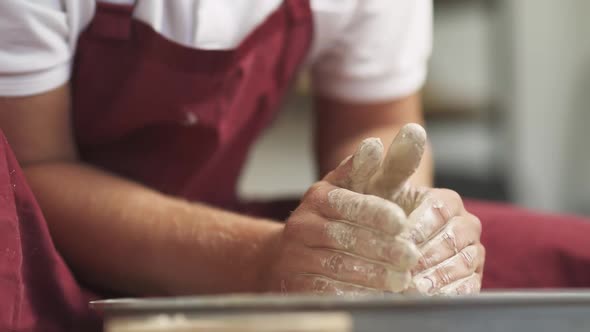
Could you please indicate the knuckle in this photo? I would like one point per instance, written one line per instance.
(472, 285)
(334, 263)
(424, 262)
(449, 239)
(340, 235)
(464, 230)
(443, 275)
(476, 222)
(448, 198)
(468, 257)
(416, 233)
(452, 195)
(315, 193)
(319, 285)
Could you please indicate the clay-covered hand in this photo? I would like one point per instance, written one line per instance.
(448, 237)
(343, 243)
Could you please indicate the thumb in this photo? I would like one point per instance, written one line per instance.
(401, 161)
(356, 170)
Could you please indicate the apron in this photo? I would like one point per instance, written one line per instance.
(181, 121)
(177, 119)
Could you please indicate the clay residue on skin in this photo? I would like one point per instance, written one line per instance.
(401, 161)
(321, 285)
(365, 163)
(376, 214)
(402, 258)
(368, 211)
(465, 286)
(426, 220)
(439, 279)
(341, 233)
(450, 238)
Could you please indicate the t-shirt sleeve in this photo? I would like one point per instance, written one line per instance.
(379, 55)
(35, 52)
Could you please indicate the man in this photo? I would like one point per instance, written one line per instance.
(131, 121)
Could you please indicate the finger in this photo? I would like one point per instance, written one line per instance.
(462, 265)
(432, 214)
(321, 285)
(355, 270)
(401, 161)
(459, 233)
(361, 242)
(355, 171)
(369, 211)
(465, 286)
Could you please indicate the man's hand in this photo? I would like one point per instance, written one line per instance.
(341, 242)
(448, 237)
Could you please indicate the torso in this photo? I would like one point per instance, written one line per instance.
(217, 24)
(181, 119)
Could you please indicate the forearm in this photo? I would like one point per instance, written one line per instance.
(118, 234)
(341, 126)
(122, 236)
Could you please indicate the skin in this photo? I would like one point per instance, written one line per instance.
(123, 236)
(451, 256)
(341, 242)
(341, 125)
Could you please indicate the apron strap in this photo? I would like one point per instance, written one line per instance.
(299, 15)
(112, 21)
(299, 11)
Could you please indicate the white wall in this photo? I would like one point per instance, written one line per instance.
(547, 102)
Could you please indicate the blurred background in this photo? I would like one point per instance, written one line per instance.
(506, 106)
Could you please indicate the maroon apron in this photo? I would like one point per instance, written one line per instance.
(182, 120)
(178, 119)
(37, 290)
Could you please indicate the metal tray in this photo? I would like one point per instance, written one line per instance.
(556, 310)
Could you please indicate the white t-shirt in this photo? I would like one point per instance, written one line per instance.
(362, 51)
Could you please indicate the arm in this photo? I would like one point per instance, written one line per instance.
(120, 235)
(368, 76)
(340, 126)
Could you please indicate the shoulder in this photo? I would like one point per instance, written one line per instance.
(36, 53)
(339, 19)
(370, 50)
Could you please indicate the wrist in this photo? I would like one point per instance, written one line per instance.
(214, 251)
(267, 259)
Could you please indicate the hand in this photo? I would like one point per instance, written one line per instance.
(448, 237)
(344, 243)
